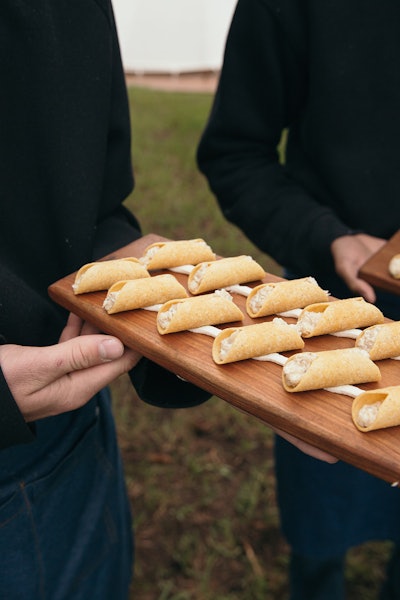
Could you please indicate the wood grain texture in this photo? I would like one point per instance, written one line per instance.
(376, 271)
(320, 418)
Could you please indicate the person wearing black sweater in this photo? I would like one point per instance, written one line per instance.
(65, 170)
(326, 76)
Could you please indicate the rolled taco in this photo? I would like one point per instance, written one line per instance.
(166, 255)
(337, 315)
(139, 293)
(377, 409)
(380, 341)
(239, 343)
(197, 311)
(328, 368)
(218, 274)
(277, 297)
(98, 276)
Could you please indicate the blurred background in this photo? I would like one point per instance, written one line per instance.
(172, 36)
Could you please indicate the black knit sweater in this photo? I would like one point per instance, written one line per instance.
(329, 72)
(65, 169)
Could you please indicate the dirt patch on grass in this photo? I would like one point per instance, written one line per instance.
(180, 82)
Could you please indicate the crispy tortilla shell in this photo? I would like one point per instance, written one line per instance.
(166, 255)
(338, 315)
(222, 273)
(197, 311)
(280, 296)
(328, 368)
(385, 404)
(239, 343)
(381, 341)
(101, 275)
(139, 293)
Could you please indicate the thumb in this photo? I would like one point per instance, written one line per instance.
(86, 351)
(90, 363)
(49, 380)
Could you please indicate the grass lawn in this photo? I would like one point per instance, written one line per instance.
(201, 480)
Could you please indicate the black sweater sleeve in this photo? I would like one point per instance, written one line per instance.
(164, 389)
(262, 90)
(13, 429)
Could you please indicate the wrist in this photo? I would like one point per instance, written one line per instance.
(352, 232)
(347, 233)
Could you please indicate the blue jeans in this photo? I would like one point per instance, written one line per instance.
(316, 579)
(67, 535)
(313, 578)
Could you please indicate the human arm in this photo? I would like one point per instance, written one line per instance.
(350, 252)
(39, 382)
(306, 448)
(262, 91)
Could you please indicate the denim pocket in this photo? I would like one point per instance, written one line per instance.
(21, 573)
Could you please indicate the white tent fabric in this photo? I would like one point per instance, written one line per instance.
(172, 36)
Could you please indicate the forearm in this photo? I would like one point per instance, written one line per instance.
(262, 91)
(278, 216)
(164, 389)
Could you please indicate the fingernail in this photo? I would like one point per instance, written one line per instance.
(111, 349)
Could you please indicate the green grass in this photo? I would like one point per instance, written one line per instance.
(201, 480)
(171, 197)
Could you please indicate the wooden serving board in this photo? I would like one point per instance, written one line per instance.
(375, 270)
(320, 418)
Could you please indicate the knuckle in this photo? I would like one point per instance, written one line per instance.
(80, 357)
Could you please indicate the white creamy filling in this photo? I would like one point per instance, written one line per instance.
(146, 258)
(295, 368)
(307, 322)
(78, 280)
(259, 298)
(278, 322)
(311, 280)
(197, 277)
(394, 266)
(165, 317)
(110, 300)
(223, 294)
(368, 413)
(227, 344)
(368, 338)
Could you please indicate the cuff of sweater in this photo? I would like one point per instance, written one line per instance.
(328, 230)
(159, 387)
(13, 428)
